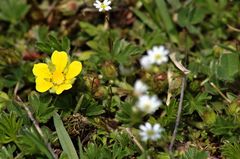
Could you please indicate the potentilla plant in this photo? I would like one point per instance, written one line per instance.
(57, 75)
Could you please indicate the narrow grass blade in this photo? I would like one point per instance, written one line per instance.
(64, 138)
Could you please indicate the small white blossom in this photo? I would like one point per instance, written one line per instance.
(103, 6)
(158, 55)
(149, 132)
(148, 104)
(145, 61)
(140, 88)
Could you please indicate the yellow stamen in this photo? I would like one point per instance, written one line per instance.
(57, 78)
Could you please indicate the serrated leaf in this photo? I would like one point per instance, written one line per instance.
(193, 153)
(43, 111)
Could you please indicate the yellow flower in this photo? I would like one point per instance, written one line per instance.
(58, 75)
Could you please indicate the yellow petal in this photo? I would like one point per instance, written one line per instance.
(59, 59)
(61, 88)
(74, 69)
(42, 85)
(41, 70)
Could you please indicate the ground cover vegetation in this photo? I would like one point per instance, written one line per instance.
(119, 79)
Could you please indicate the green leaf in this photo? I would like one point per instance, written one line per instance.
(13, 10)
(43, 111)
(4, 99)
(193, 153)
(231, 150)
(197, 103)
(228, 67)
(52, 43)
(224, 126)
(10, 124)
(170, 113)
(64, 138)
(32, 143)
(7, 152)
(91, 108)
(166, 18)
(145, 19)
(122, 50)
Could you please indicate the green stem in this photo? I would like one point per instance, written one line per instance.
(79, 103)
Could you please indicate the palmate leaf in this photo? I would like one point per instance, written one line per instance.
(43, 111)
(7, 152)
(9, 127)
(224, 126)
(196, 103)
(32, 144)
(53, 43)
(231, 150)
(169, 114)
(13, 10)
(122, 50)
(125, 113)
(193, 153)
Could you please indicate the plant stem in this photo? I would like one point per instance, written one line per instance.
(79, 103)
(219, 91)
(36, 125)
(128, 130)
(178, 115)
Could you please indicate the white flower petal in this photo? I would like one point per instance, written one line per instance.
(156, 127)
(140, 87)
(158, 55)
(148, 126)
(107, 2)
(108, 8)
(151, 132)
(145, 61)
(143, 128)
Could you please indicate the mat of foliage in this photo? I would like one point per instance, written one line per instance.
(97, 117)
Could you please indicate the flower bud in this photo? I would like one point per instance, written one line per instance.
(109, 71)
(209, 116)
(92, 82)
(69, 7)
(233, 108)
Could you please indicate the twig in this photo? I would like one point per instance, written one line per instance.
(128, 130)
(16, 89)
(51, 8)
(219, 91)
(233, 28)
(36, 125)
(178, 64)
(178, 115)
(134, 139)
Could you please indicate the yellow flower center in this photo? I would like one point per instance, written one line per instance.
(158, 56)
(103, 6)
(147, 107)
(58, 78)
(150, 133)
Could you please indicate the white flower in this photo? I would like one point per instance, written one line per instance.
(102, 6)
(145, 61)
(150, 132)
(140, 88)
(158, 55)
(148, 104)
